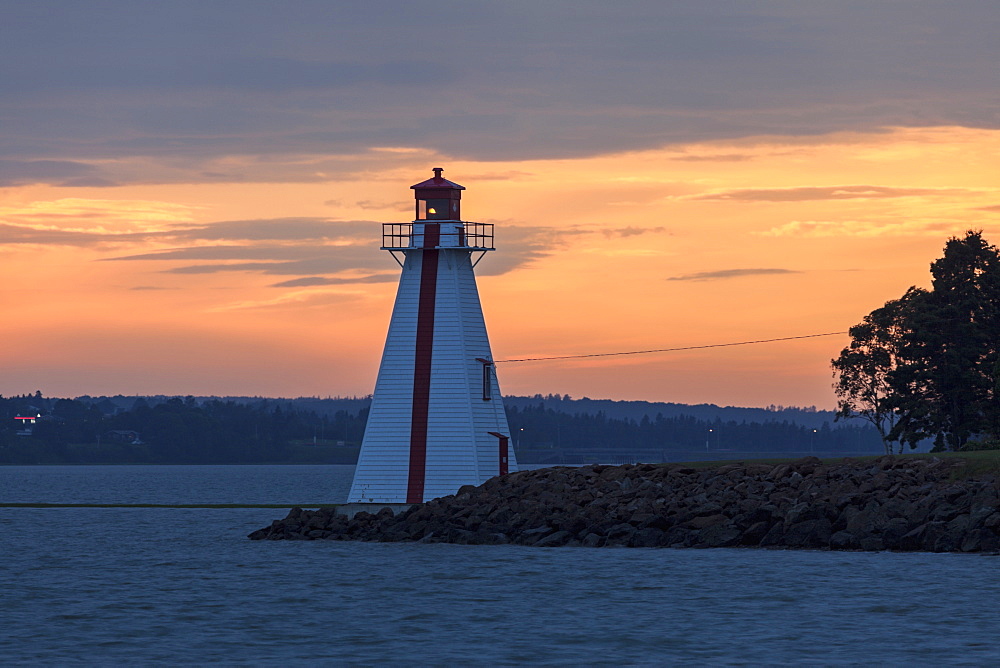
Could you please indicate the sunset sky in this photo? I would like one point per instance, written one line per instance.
(191, 193)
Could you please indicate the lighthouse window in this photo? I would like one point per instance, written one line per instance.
(487, 381)
(434, 209)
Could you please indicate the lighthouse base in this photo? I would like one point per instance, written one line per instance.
(437, 420)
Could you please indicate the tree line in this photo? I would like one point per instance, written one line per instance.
(926, 365)
(216, 431)
(172, 431)
(538, 428)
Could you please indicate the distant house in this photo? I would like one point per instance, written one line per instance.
(26, 424)
(123, 436)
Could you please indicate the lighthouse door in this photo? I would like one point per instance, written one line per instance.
(503, 454)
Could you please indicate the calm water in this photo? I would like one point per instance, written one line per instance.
(168, 586)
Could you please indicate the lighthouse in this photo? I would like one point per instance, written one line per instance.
(437, 420)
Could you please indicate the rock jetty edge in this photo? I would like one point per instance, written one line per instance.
(890, 503)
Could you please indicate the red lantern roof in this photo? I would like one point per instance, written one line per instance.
(437, 182)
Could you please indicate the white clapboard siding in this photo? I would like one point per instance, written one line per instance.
(460, 449)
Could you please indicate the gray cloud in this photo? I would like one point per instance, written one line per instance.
(19, 234)
(274, 229)
(89, 182)
(309, 258)
(282, 229)
(65, 173)
(319, 280)
(730, 273)
(509, 175)
(187, 83)
(318, 250)
(308, 265)
(632, 231)
(519, 246)
(823, 193)
(722, 157)
(400, 205)
(261, 252)
(995, 207)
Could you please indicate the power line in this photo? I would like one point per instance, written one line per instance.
(666, 350)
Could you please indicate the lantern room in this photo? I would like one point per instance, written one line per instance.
(438, 198)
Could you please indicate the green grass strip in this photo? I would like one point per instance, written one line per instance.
(969, 464)
(209, 506)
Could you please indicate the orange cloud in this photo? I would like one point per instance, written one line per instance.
(866, 228)
(809, 193)
(94, 217)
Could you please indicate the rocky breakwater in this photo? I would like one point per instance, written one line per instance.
(891, 503)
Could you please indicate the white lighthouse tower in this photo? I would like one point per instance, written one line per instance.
(437, 420)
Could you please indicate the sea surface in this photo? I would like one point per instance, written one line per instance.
(150, 586)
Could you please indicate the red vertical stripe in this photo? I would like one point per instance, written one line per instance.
(422, 364)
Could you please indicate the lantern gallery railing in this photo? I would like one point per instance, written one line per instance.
(471, 236)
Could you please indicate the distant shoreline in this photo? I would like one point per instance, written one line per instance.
(675, 457)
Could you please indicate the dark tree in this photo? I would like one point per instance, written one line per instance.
(927, 365)
(945, 384)
(864, 368)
